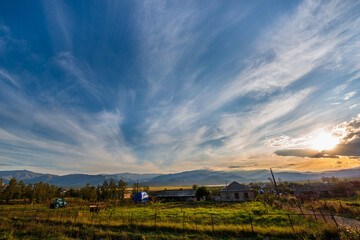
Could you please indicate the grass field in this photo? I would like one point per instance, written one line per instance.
(197, 220)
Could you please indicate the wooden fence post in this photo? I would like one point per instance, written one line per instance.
(341, 207)
(183, 220)
(22, 215)
(110, 216)
(212, 222)
(301, 209)
(48, 217)
(252, 228)
(314, 213)
(36, 216)
(322, 215)
(292, 226)
(332, 216)
(92, 216)
(155, 218)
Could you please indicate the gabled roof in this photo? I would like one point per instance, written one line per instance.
(180, 193)
(235, 186)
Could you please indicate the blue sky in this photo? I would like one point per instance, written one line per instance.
(168, 86)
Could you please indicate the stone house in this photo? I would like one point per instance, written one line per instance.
(236, 192)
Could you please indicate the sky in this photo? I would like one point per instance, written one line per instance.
(171, 86)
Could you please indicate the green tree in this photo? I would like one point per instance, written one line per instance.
(21, 190)
(195, 187)
(85, 192)
(121, 190)
(2, 187)
(112, 189)
(146, 189)
(41, 192)
(202, 193)
(29, 193)
(134, 190)
(10, 190)
(93, 194)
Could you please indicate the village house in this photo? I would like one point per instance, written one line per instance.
(177, 195)
(236, 192)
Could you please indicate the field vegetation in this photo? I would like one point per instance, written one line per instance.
(196, 220)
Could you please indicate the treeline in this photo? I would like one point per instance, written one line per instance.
(108, 191)
(34, 193)
(43, 192)
(105, 192)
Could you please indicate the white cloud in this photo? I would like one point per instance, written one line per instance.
(4, 74)
(349, 95)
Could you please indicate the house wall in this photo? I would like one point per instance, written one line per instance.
(231, 196)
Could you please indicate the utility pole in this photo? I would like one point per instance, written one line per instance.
(274, 182)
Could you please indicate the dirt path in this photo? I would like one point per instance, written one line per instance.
(347, 222)
(326, 217)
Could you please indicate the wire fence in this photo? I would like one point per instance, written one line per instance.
(155, 218)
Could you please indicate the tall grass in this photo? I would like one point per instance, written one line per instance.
(173, 221)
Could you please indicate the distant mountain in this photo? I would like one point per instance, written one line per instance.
(26, 176)
(188, 178)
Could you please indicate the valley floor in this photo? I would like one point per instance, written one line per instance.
(196, 220)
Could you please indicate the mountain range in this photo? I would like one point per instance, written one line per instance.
(188, 178)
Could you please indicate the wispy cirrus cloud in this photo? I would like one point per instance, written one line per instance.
(155, 86)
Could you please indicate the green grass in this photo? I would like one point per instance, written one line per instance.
(195, 220)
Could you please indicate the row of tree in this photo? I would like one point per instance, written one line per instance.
(43, 192)
(105, 192)
(34, 193)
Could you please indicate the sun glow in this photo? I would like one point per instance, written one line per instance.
(324, 141)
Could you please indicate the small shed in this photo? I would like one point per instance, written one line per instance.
(177, 195)
(236, 192)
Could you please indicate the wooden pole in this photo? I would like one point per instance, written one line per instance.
(292, 226)
(322, 215)
(272, 174)
(155, 219)
(301, 209)
(92, 216)
(183, 220)
(110, 216)
(212, 222)
(332, 216)
(314, 213)
(252, 228)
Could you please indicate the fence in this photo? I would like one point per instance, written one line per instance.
(194, 221)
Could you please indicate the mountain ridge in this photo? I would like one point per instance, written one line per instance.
(186, 178)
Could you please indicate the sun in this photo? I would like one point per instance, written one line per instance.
(324, 141)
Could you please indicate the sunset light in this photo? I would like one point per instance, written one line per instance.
(324, 141)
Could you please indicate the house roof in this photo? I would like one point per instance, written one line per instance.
(312, 188)
(235, 186)
(177, 193)
(303, 188)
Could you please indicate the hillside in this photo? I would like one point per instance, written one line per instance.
(188, 178)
